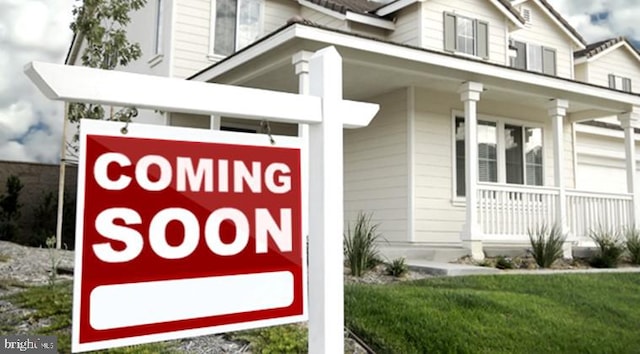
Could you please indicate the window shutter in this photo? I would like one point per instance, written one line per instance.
(626, 85)
(612, 81)
(520, 61)
(549, 61)
(482, 39)
(449, 32)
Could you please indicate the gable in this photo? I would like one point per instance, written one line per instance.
(556, 21)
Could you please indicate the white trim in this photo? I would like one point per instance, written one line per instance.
(170, 33)
(459, 68)
(574, 148)
(158, 31)
(322, 9)
(371, 21)
(507, 14)
(212, 28)
(421, 22)
(411, 192)
(395, 6)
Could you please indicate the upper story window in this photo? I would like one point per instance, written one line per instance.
(534, 57)
(507, 153)
(619, 83)
(466, 35)
(234, 25)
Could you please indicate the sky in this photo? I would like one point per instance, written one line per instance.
(31, 125)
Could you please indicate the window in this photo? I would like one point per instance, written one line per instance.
(521, 162)
(157, 33)
(534, 57)
(234, 25)
(619, 83)
(466, 35)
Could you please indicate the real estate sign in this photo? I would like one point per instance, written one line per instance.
(185, 232)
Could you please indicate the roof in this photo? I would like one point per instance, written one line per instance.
(342, 6)
(598, 47)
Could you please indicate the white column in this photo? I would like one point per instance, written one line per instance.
(629, 121)
(326, 292)
(471, 235)
(557, 110)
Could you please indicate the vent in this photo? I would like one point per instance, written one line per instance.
(526, 14)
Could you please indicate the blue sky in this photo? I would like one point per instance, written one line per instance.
(31, 125)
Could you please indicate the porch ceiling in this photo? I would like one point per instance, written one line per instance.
(368, 74)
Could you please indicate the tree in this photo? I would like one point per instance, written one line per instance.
(10, 209)
(102, 25)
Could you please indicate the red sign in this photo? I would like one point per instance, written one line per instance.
(184, 232)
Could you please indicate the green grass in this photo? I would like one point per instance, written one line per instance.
(596, 313)
(54, 304)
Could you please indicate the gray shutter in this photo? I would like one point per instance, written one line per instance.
(548, 61)
(520, 61)
(612, 81)
(482, 39)
(449, 32)
(626, 85)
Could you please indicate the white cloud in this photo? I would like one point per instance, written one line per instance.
(30, 124)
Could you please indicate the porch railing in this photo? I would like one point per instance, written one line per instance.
(587, 211)
(512, 210)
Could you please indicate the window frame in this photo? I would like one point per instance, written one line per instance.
(211, 54)
(527, 57)
(478, 51)
(157, 40)
(625, 83)
(500, 152)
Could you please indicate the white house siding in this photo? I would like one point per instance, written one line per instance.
(322, 19)
(542, 30)
(433, 24)
(277, 13)
(407, 22)
(437, 220)
(191, 37)
(375, 168)
(618, 62)
(367, 31)
(580, 72)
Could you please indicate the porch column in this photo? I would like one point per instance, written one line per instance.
(557, 110)
(629, 121)
(471, 235)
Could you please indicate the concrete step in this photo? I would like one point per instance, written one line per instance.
(448, 269)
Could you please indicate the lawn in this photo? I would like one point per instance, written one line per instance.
(595, 313)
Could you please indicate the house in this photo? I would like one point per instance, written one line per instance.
(496, 116)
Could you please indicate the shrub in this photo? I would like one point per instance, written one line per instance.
(546, 245)
(397, 267)
(503, 262)
(610, 248)
(360, 245)
(10, 209)
(44, 225)
(632, 243)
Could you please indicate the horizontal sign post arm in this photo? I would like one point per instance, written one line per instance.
(110, 87)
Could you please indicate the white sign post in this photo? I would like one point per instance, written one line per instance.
(324, 110)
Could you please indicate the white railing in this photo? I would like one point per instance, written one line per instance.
(588, 210)
(514, 210)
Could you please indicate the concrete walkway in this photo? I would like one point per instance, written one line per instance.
(454, 269)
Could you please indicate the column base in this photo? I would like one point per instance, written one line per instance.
(475, 248)
(567, 250)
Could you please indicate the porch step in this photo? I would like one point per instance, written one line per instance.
(420, 252)
(448, 269)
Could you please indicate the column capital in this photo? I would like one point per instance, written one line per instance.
(557, 107)
(470, 91)
(630, 119)
(301, 61)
